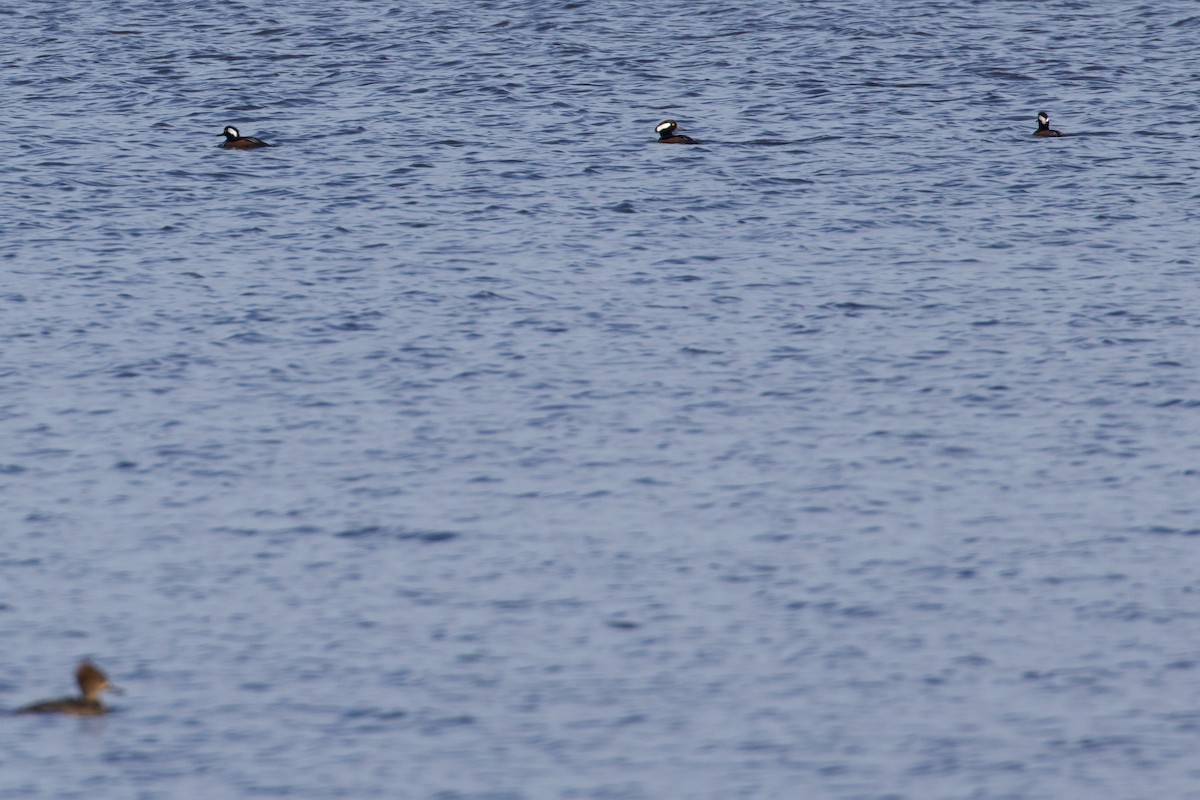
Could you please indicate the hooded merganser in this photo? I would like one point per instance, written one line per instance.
(92, 681)
(1044, 126)
(666, 133)
(235, 141)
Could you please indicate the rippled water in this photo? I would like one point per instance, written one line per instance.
(467, 444)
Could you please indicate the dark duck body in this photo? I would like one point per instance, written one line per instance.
(235, 141)
(92, 681)
(1044, 126)
(667, 135)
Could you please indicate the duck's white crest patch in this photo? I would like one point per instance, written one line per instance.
(231, 131)
(664, 126)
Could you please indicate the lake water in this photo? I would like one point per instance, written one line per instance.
(468, 445)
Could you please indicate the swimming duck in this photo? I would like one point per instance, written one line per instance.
(1044, 126)
(235, 141)
(666, 133)
(92, 681)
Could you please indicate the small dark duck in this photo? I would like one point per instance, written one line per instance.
(667, 135)
(235, 141)
(1044, 126)
(92, 681)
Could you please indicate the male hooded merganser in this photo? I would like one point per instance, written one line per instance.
(92, 682)
(1044, 126)
(666, 134)
(235, 141)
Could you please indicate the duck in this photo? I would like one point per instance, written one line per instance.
(235, 141)
(666, 133)
(1044, 126)
(92, 681)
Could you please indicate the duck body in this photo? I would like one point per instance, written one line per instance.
(235, 141)
(1044, 126)
(74, 706)
(92, 682)
(667, 135)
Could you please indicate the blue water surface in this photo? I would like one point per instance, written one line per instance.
(469, 445)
